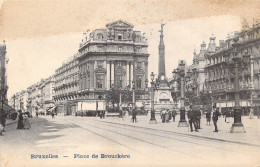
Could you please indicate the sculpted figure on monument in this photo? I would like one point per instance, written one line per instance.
(109, 34)
(162, 25)
(133, 36)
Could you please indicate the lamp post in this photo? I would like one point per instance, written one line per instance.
(133, 88)
(14, 101)
(152, 120)
(235, 66)
(180, 73)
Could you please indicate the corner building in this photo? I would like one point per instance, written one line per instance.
(115, 56)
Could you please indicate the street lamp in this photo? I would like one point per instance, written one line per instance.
(152, 120)
(133, 88)
(235, 67)
(180, 72)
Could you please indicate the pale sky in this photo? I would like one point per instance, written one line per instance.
(31, 59)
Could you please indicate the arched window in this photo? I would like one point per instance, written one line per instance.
(99, 36)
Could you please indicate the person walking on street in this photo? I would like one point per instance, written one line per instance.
(228, 114)
(198, 117)
(208, 117)
(52, 114)
(163, 114)
(215, 116)
(192, 119)
(134, 115)
(26, 122)
(3, 117)
(174, 113)
(20, 120)
(251, 113)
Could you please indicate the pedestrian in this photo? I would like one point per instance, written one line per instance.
(215, 116)
(208, 117)
(26, 122)
(37, 114)
(3, 117)
(134, 115)
(198, 117)
(228, 114)
(52, 114)
(163, 113)
(167, 116)
(20, 120)
(251, 113)
(174, 113)
(192, 119)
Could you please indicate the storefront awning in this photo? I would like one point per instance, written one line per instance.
(8, 109)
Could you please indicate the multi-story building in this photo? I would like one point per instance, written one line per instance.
(112, 57)
(66, 86)
(37, 97)
(219, 78)
(48, 93)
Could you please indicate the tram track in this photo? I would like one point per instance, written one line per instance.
(183, 134)
(135, 138)
(177, 139)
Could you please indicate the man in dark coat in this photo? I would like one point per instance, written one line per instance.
(134, 113)
(192, 119)
(20, 120)
(215, 116)
(174, 113)
(3, 117)
(198, 117)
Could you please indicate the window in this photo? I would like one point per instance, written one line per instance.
(100, 81)
(119, 79)
(139, 65)
(139, 81)
(99, 36)
(120, 48)
(120, 37)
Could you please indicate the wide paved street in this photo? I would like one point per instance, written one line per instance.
(157, 144)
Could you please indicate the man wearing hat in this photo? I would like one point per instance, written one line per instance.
(192, 119)
(215, 116)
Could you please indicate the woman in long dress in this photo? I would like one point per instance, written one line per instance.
(27, 124)
(20, 120)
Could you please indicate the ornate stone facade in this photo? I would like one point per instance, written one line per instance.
(109, 57)
(220, 80)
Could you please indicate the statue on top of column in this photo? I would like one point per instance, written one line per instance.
(162, 25)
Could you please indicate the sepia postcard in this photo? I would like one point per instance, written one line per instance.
(130, 83)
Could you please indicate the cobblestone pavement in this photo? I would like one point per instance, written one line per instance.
(161, 144)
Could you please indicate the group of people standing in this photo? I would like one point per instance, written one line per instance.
(194, 116)
(167, 115)
(23, 120)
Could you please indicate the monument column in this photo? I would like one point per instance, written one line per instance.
(161, 48)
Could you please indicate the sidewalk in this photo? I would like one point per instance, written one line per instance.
(252, 135)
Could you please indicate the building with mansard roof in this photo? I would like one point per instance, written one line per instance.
(219, 79)
(112, 57)
(65, 86)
